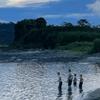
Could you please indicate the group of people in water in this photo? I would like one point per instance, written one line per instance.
(72, 80)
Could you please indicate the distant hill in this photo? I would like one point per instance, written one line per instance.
(6, 33)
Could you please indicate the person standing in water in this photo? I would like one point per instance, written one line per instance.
(70, 78)
(75, 80)
(60, 84)
(81, 83)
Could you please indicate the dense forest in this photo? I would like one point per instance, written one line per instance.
(37, 34)
(6, 33)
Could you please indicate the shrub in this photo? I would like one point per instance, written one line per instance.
(96, 45)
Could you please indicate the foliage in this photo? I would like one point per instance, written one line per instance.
(35, 33)
(83, 23)
(96, 45)
(6, 33)
(78, 46)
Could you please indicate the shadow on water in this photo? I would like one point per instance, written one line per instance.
(81, 90)
(59, 98)
(71, 93)
(60, 93)
(69, 97)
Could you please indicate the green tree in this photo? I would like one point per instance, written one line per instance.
(83, 23)
(96, 46)
(41, 23)
(66, 24)
(22, 28)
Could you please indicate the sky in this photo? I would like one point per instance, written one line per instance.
(54, 11)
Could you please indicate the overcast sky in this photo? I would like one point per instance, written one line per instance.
(54, 11)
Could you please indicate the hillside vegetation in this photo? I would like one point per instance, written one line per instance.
(37, 34)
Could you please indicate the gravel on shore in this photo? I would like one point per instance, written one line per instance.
(47, 56)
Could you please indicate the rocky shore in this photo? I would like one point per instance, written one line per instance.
(47, 56)
(38, 55)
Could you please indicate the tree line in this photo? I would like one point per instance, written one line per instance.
(7, 33)
(36, 33)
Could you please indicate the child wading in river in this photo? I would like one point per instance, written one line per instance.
(70, 78)
(75, 80)
(81, 83)
(60, 84)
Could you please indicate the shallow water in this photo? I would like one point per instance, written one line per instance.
(38, 81)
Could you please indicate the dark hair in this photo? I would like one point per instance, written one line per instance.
(74, 74)
(69, 70)
(81, 75)
(58, 73)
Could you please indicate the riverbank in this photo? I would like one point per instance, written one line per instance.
(40, 55)
(47, 56)
(32, 74)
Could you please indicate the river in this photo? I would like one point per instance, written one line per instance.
(32, 80)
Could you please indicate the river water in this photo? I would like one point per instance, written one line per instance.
(38, 81)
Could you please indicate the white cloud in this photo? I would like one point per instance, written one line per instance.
(72, 15)
(3, 21)
(95, 7)
(22, 3)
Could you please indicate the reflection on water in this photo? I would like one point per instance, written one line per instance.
(38, 81)
(70, 93)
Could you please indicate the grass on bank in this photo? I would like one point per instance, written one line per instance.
(84, 47)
